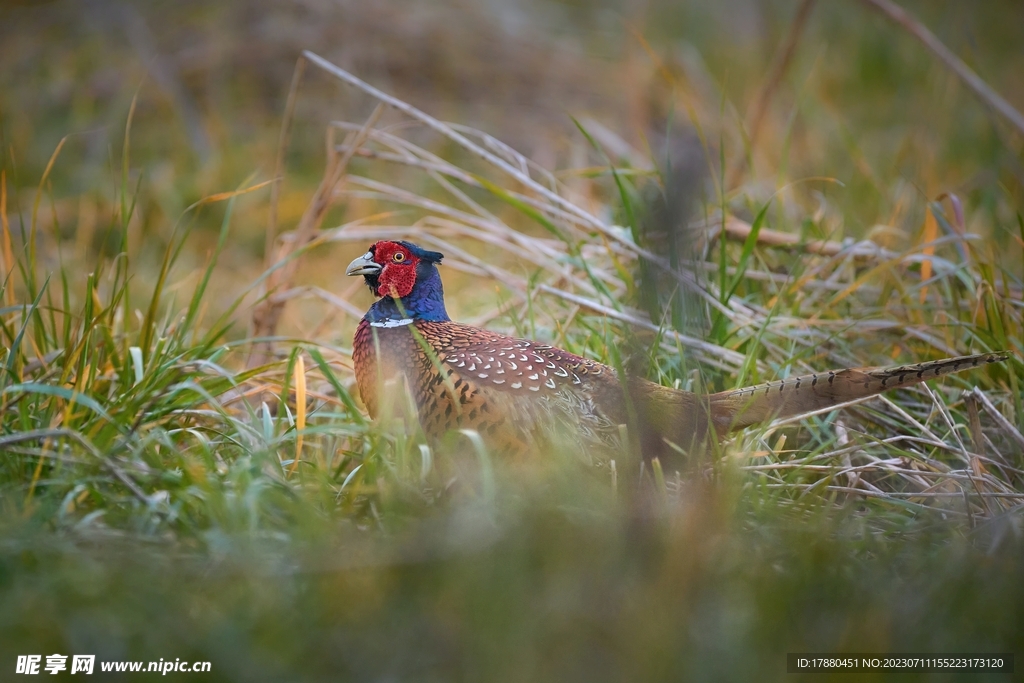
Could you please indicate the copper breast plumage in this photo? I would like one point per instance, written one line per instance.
(514, 391)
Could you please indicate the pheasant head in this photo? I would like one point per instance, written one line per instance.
(405, 278)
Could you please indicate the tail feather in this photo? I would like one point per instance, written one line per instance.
(753, 405)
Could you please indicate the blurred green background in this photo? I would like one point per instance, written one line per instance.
(556, 581)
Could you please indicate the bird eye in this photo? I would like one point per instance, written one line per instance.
(398, 257)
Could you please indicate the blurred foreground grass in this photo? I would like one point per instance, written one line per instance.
(550, 588)
(146, 515)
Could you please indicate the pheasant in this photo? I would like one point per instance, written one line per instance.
(516, 392)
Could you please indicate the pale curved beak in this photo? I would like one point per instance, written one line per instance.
(363, 265)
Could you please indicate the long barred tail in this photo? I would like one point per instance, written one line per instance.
(753, 405)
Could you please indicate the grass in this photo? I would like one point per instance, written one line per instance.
(161, 499)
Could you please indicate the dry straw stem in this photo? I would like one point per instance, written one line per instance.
(165, 72)
(780, 64)
(899, 16)
(1003, 423)
(267, 312)
(6, 252)
(282, 146)
(519, 172)
(449, 132)
(986, 94)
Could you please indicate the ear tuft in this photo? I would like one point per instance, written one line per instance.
(422, 254)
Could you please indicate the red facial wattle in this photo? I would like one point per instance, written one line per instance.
(398, 275)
